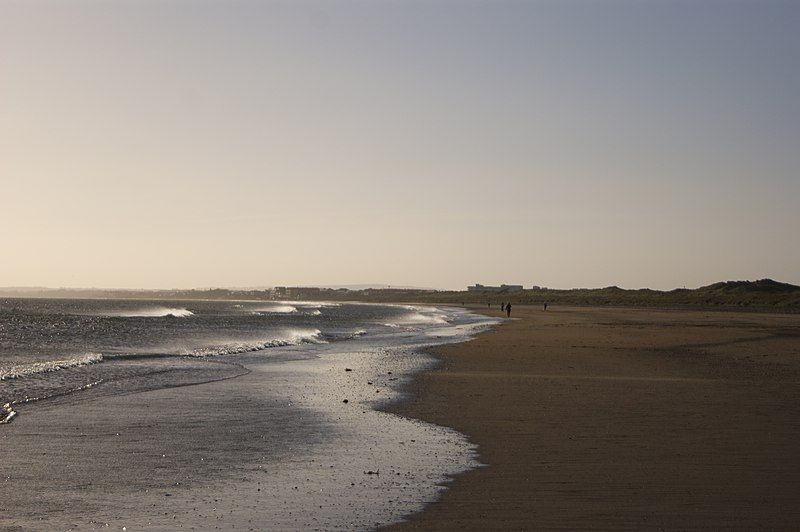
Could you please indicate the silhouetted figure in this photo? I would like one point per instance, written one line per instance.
(488, 305)
(545, 306)
(502, 307)
(508, 310)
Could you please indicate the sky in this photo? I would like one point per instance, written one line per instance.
(179, 144)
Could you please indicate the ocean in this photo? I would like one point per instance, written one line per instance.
(227, 396)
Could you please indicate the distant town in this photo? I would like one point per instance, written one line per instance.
(502, 289)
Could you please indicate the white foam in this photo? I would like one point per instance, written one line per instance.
(433, 319)
(292, 337)
(24, 370)
(313, 304)
(153, 312)
(276, 309)
(7, 414)
(420, 316)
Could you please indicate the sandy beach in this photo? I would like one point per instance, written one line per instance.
(583, 417)
(621, 419)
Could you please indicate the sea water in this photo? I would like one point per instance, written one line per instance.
(311, 379)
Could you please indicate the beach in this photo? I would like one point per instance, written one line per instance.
(620, 419)
(571, 418)
(273, 430)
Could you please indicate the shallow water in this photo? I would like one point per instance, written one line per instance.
(287, 436)
(49, 347)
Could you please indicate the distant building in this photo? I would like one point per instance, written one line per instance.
(503, 288)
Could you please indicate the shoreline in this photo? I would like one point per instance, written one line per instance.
(299, 441)
(581, 417)
(618, 418)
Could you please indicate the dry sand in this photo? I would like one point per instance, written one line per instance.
(621, 419)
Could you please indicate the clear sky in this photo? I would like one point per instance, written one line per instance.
(233, 143)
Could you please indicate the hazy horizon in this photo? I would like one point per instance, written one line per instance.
(360, 286)
(437, 144)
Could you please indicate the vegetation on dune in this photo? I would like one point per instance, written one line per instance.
(764, 294)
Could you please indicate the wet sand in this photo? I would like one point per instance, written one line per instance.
(620, 419)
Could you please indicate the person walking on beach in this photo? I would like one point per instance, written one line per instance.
(545, 305)
(502, 307)
(508, 310)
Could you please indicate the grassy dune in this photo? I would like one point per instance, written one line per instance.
(764, 294)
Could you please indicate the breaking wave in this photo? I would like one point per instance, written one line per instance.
(296, 337)
(293, 338)
(24, 370)
(433, 319)
(307, 310)
(316, 304)
(277, 309)
(154, 312)
(420, 316)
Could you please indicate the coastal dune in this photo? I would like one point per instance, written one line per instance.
(624, 419)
